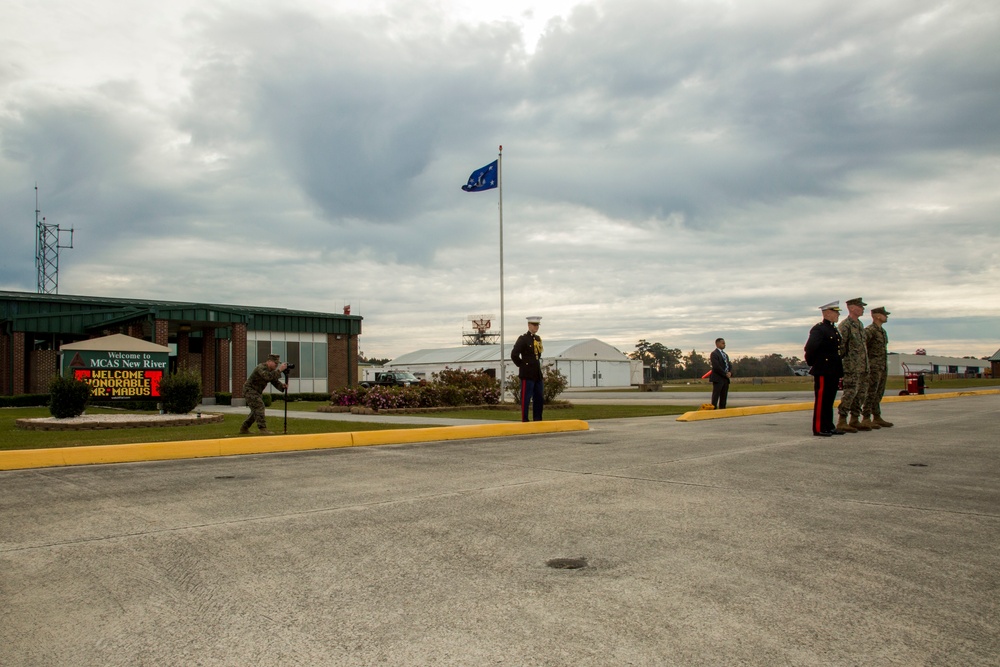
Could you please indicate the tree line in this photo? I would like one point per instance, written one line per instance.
(667, 363)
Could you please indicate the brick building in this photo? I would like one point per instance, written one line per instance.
(222, 342)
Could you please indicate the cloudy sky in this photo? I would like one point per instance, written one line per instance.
(673, 171)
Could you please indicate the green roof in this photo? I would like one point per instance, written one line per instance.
(83, 315)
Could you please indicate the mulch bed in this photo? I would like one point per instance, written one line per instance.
(102, 422)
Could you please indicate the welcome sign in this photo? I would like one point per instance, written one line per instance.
(118, 374)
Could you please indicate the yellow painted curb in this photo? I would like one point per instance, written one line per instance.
(192, 449)
(701, 415)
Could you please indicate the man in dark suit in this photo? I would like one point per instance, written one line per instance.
(721, 374)
(826, 367)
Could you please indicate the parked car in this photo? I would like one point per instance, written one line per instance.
(392, 379)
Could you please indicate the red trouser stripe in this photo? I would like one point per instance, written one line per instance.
(818, 406)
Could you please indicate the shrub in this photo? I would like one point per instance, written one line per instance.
(25, 400)
(514, 387)
(180, 392)
(474, 387)
(450, 395)
(68, 396)
(348, 396)
(303, 396)
(554, 384)
(449, 388)
(223, 398)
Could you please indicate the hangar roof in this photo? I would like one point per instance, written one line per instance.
(578, 349)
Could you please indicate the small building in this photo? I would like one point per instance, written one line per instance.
(584, 362)
(994, 364)
(221, 342)
(925, 363)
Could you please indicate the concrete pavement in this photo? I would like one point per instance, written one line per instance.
(724, 542)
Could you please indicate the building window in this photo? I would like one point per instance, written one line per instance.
(306, 361)
(319, 360)
(309, 357)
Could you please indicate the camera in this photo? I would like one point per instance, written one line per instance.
(289, 367)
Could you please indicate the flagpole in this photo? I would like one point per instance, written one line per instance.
(503, 358)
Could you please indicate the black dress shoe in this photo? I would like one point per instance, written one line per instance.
(824, 434)
(836, 431)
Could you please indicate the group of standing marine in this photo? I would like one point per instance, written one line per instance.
(852, 352)
(856, 354)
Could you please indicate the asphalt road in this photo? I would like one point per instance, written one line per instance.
(742, 541)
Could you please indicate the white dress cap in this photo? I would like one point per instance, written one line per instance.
(534, 319)
(833, 305)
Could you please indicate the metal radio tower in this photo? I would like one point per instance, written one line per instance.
(47, 247)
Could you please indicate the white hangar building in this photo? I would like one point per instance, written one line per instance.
(925, 363)
(585, 363)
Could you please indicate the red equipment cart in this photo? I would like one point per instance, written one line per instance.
(913, 382)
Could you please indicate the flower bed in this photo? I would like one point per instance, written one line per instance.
(449, 389)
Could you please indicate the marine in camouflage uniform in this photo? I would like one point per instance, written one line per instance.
(855, 358)
(877, 344)
(267, 372)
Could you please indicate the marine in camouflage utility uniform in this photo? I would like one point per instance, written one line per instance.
(855, 358)
(252, 392)
(877, 345)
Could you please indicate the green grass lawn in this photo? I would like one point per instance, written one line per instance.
(12, 437)
(584, 412)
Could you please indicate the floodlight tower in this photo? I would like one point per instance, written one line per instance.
(47, 237)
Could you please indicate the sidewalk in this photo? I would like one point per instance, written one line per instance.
(276, 413)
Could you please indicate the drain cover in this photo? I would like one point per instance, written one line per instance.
(567, 563)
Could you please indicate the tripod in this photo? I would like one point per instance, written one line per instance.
(285, 428)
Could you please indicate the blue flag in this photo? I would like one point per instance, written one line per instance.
(483, 179)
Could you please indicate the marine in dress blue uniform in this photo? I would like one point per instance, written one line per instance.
(527, 356)
(823, 356)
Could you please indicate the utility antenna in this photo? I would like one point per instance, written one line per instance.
(481, 333)
(47, 245)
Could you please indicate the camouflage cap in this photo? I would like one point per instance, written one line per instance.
(880, 311)
(856, 302)
(274, 357)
